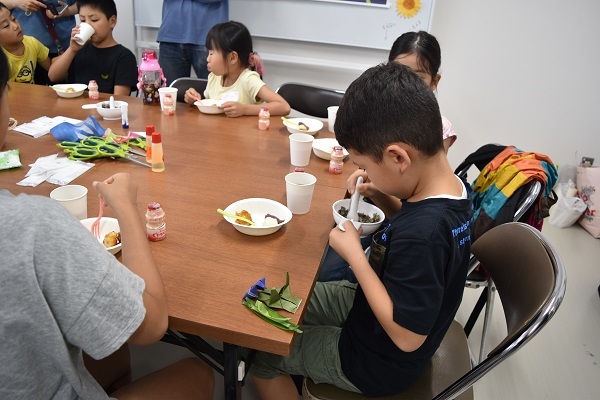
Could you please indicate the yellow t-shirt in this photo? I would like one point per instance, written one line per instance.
(247, 86)
(22, 68)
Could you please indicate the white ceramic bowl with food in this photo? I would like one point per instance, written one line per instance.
(107, 225)
(258, 209)
(314, 125)
(209, 106)
(323, 148)
(69, 90)
(363, 208)
(105, 110)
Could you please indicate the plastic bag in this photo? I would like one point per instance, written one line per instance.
(566, 211)
(75, 132)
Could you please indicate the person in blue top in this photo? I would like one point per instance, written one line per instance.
(182, 35)
(30, 14)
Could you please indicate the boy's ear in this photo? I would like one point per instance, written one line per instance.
(398, 156)
(112, 21)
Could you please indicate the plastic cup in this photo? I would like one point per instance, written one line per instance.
(300, 148)
(331, 114)
(85, 33)
(299, 188)
(168, 90)
(73, 198)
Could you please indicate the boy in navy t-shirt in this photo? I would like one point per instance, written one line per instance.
(378, 336)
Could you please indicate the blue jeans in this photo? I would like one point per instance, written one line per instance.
(177, 60)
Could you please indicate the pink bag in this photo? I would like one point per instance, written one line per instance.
(588, 187)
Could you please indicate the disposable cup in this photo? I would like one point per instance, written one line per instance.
(73, 198)
(299, 188)
(300, 148)
(168, 90)
(85, 33)
(331, 114)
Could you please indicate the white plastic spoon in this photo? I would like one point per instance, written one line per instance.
(89, 106)
(353, 210)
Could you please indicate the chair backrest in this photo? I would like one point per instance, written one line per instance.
(183, 84)
(531, 282)
(310, 100)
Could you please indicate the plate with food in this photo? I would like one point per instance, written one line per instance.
(303, 125)
(69, 90)
(209, 106)
(257, 216)
(110, 233)
(323, 148)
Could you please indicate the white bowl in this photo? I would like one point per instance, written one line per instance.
(110, 113)
(209, 106)
(314, 125)
(363, 207)
(106, 225)
(258, 208)
(323, 148)
(69, 90)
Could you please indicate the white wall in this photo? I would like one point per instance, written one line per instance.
(514, 72)
(124, 31)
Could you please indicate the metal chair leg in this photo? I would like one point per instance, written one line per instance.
(489, 308)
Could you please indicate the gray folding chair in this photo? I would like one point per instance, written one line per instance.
(310, 100)
(183, 84)
(529, 302)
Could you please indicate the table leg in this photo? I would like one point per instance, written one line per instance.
(233, 387)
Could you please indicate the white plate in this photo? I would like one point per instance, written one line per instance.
(106, 225)
(209, 106)
(314, 125)
(323, 148)
(64, 90)
(258, 208)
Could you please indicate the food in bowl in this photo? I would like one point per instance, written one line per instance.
(363, 218)
(264, 212)
(365, 208)
(209, 106)
(111, 239)
(109, 113)
(69, 90)
(244, 214)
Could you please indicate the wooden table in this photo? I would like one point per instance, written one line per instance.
(211, 161)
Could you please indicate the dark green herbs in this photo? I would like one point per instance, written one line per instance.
(362, 218)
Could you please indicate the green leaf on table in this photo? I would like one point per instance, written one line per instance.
(282, 297)
(271, 316)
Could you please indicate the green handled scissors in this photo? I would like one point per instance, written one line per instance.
(96, 147)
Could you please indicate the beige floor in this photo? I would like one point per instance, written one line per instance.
(562, 362)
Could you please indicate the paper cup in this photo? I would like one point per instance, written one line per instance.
(300, 149)
(299, 188)
(331, 114)
(85, 33)
(73, 198)
(168, 90)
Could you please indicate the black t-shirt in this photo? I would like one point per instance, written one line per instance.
(423, 256)
(108, 66)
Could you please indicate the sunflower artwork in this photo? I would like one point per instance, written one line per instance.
(408, 8)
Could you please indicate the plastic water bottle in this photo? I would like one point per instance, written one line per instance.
(150, 78)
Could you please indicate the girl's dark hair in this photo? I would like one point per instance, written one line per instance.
(4, 70)
(424, 45)
(108, 7)
(2, 5)
(231, 36)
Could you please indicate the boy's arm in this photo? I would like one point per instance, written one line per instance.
(122, 90)
(347, 244)
(60, 65)
(120, 194)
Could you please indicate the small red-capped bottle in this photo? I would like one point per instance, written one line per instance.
(336, 164)
(149, 132)
(93, 92)
(158, 159)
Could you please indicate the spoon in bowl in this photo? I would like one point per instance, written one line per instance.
(353, 210)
